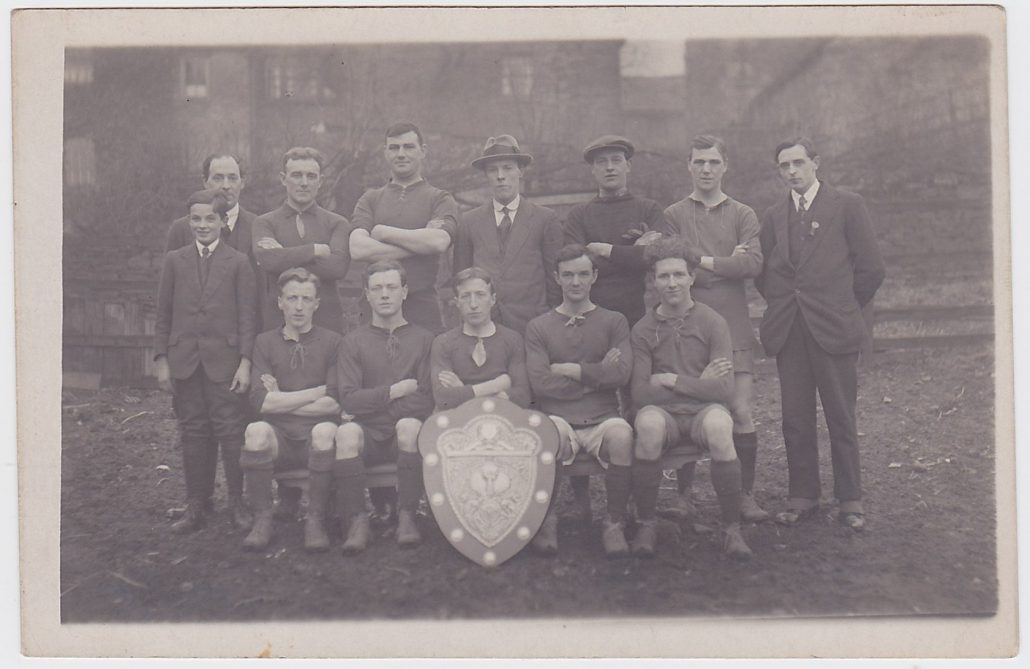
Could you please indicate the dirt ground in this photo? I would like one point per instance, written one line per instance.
(928, 463)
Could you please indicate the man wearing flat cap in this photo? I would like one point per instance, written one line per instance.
(615, 226)
(514, 240)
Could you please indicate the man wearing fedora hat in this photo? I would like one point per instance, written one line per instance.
(615, 226)
(514, 240)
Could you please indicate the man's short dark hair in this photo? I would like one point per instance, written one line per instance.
(703, 142)
(385, 266)
(804, 142)
(212, 196)
(398, 129)
(205, 167)
(300, 275)
(573, 251)
(470, 273)
(672, 247)
(304, 153)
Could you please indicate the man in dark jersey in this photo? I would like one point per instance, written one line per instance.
(385, 393)
(300, 233)
(682, 382)
(295, 394)
(578, 355)
(407, 220)
(615, 226)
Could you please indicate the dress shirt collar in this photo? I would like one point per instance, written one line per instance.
(231, 216)
(512, 206)
(212, 246)
(809, 195)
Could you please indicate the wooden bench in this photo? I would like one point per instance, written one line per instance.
(385, 476)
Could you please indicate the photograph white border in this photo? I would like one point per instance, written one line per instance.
(39, 40)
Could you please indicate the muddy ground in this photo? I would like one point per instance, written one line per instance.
(928, 462)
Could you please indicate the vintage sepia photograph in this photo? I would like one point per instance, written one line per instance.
(429, 324)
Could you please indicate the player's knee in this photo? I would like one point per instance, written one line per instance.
(350, 439)
(323, 437)
(618, 442)
(717, 428)
(619, 438)
(649, 425)
(407, 434)
(258, 436)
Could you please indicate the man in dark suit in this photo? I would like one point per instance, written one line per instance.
(514, 240)
(203, 340)
(821, 266)
(224, 172)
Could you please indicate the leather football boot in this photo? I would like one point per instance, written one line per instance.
(407, 530)
(733, 543)
(192, 519)
(261, 533)
(357, 535)
(613, 538)
(646, 538)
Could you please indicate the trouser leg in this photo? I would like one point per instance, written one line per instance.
(837, 380)
(797, 393)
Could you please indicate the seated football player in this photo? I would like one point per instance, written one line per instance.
(682, 383)
(295, 394)
(479, 357)
(578, 356)
(385, 394)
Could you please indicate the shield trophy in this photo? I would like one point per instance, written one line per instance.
(489, 469)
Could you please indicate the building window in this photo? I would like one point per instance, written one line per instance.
(80, 162)
(516, 77)
(195, 73)
(296, 78)
(78, 67)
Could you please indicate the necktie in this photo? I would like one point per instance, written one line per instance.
(205, 261)
(504, 229)
(300, 226)
(801, 206)
(479, 353)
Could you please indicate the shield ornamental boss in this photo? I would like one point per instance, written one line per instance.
(489, 469)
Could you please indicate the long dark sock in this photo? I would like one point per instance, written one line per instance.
(258, 469)
(647, 475)
(746, 445)
(726, 481)
(618, 481)
(320, 470)
(409, 480)
(349, 476)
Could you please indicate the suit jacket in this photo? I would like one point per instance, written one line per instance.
(838, 272)
(211, 325)
(523, 277)
(241, 239)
